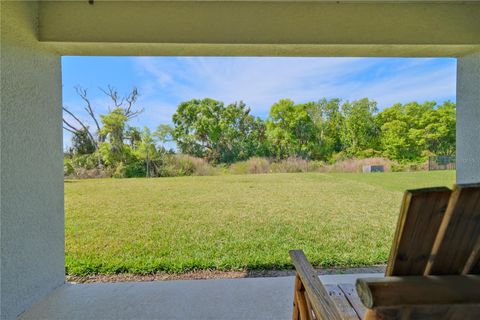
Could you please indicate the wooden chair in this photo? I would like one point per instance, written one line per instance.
(432, 272)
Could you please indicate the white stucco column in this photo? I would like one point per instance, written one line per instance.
(31, 189)
(468, 119)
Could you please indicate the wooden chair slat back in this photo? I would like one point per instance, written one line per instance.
(457, 245)
(421, 215)
(438, 233)
(473, 264)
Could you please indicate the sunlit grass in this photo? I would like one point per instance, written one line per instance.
(234, 221)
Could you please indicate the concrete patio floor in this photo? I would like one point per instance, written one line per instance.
(249, 298)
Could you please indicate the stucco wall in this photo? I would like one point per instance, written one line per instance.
(468, 119)
(31, 213)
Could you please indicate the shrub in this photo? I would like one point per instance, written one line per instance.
(120, 171)
(239, 167)
(356, 165)
(184, 165)
(253, 165)
(315, 166)
(68, 168)
(176, 165)
(369, 153)
(84, 167)
(295, 164)
(337, 157)
(203, 168)
(410, 166)
(82, 173)
(86, 161)
(135, 169)
(291, 165)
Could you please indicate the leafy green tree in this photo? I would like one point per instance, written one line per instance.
(82, 143)
(290, 130)
(207, 129)
(396, 142)
(255, 142)
(114, 150)
(147, 142)
(243, 136)
(148, 152)
(80, 129)
(164, 133)
(328, 121)
(196, 127)
(440, 129)
(133, 135)
(410, 131)
(359, 131)
(398, 136)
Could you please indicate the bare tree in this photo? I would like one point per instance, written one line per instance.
(125, 103)
(73, 123)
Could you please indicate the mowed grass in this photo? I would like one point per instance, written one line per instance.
(234, 222)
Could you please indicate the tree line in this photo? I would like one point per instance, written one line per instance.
(326, 130)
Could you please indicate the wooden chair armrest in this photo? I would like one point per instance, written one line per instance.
(419, 290)
(319, 299)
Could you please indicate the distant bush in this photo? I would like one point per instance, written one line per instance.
(81, 173)
(68, 168)
(294, 164)
(86, 161)
(239, 167)
(133, 169)
(290, 165)
(175, 165)
(410, 166)
(84, 167)
(203, 168)
(369, 153)
(337, 157)
(253, 165)
(356, 165)
(119, 171)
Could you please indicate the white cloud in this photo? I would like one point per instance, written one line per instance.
(436, 85)
(262, 81)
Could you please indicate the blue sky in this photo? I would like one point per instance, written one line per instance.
(163, 82)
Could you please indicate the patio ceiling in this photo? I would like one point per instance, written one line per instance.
(295, 28)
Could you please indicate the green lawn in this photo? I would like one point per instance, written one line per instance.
(234, 221)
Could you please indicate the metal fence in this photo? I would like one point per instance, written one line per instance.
(441, 163)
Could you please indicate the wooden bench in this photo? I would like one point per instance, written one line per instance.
(432, 272)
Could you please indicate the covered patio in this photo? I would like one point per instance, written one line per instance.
(250, 298)
(35, 34)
